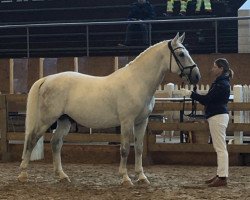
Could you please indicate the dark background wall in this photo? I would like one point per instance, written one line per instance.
(103, 40)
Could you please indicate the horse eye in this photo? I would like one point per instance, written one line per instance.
(181, 55)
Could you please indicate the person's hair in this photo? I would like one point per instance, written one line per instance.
(223, 63)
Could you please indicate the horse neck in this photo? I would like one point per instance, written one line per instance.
(150, 67)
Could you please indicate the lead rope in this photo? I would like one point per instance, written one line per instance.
(194, 105)
(170, 62)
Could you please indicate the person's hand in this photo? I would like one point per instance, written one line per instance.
(185, 93)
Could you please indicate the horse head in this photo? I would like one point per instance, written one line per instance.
(184, 64)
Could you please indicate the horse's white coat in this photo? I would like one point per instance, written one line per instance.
(123, 98)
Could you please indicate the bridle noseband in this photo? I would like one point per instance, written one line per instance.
(181, 67)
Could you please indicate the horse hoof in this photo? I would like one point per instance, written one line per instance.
(143, 181)
(23, 177)
(127, 183)
(65, 179)
(62, 177)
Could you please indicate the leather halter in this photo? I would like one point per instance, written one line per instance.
(181, 67)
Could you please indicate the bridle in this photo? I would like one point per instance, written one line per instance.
(181, 67)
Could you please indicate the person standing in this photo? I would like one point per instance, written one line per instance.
(216, 113)
(138, 34)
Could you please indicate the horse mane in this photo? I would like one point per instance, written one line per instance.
(142, 54)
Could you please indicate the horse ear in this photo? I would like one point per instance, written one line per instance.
(176, 38)
(181, 39)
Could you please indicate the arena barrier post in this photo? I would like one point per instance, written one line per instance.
(3, 128)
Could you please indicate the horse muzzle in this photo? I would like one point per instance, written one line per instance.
(195, 75)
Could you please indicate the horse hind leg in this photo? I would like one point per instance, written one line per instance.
(63, 127)
(31, 140)
(139, 136)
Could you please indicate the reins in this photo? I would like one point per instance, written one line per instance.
(192, 114)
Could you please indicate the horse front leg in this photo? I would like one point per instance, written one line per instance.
(63, 127)
(127, 129)
(139, 136)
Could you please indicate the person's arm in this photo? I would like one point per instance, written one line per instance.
(215, 93)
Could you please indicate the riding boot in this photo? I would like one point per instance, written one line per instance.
(211, 180)
(218, 182)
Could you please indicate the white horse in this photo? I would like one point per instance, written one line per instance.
(125, 98)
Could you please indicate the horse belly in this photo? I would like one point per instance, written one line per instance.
(95, 118)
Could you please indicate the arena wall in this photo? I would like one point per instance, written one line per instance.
(27, 71)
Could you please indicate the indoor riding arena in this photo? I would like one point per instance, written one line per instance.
(91, 108)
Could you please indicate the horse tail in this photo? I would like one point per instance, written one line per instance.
(31, 120)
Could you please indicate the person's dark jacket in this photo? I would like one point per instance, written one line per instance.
(141, 11)
(215, 101)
